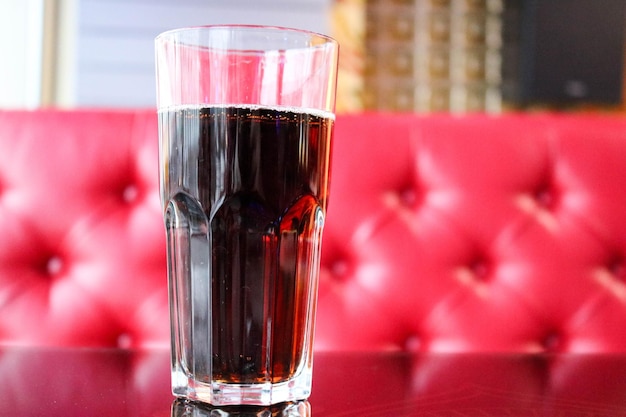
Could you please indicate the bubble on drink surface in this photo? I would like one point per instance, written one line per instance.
(252, 107)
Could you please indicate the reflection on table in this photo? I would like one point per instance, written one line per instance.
(90, 382)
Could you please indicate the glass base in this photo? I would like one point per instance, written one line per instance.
(183, 407)
(219, 394)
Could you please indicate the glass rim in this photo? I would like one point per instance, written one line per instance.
(172, 33)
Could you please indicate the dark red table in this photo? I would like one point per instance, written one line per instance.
(88, 382)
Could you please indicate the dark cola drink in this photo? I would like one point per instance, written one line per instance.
(245, 195)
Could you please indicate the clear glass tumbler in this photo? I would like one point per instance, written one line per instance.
(246, 118)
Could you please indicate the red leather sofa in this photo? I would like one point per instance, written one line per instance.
(445, 233)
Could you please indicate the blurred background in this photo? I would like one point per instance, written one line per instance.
(397, 55)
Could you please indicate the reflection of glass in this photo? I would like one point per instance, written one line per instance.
(186, 408)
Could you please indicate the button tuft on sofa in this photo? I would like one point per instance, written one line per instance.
(553, 342)
(54, 265)
(617, 267)
(130, 193)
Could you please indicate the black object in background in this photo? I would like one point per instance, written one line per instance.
(564, 52)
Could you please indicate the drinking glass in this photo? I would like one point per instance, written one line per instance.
(246, 117)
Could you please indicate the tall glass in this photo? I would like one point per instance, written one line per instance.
(246, 117)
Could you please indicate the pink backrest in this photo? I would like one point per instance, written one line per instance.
(444, 232)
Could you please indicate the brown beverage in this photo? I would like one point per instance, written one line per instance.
(246, 194)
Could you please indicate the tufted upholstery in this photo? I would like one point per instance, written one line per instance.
(444, 233)
(477, 233)
(82, 246)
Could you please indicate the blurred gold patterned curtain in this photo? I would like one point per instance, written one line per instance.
(419, 55)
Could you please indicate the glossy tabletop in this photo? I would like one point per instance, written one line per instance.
(91, 382)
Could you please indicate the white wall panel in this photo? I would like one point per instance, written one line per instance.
(132, 89)
(115, 39)
(21, 49)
